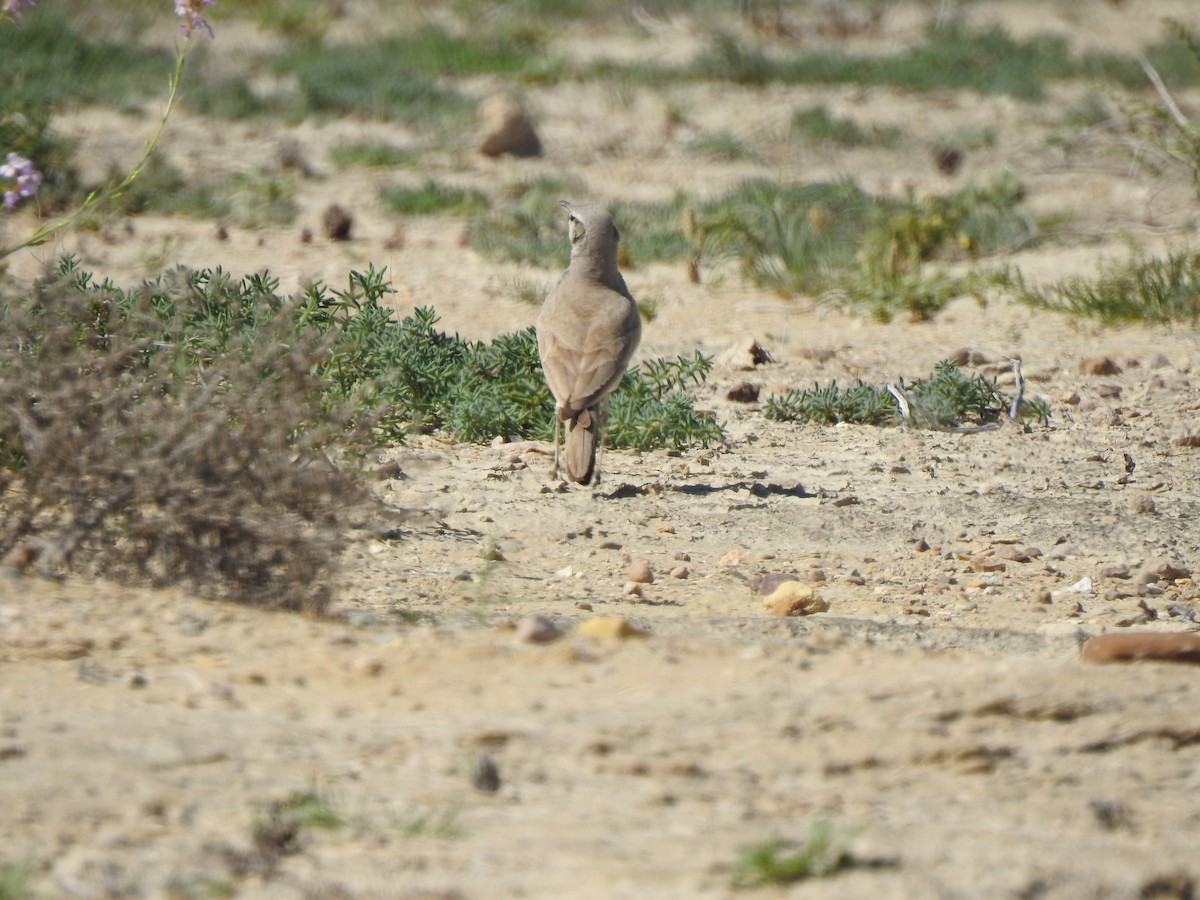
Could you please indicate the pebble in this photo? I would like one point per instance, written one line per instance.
(1099, 365)
(921, 545)
(537, 630)
(792, 598)
(1108, 391)
(485, 774)
(987, 563)
(766, 584)
(507, 128)
(745, 392)
(609, 627)
(336, 223)
(1140, 506)
(1168, 647)
(1167, 569)
(732, 558)
(680, 572)
(640, 572)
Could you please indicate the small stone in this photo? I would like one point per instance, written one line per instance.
(609, 627)
(1099, 365)
(987, 563)
(336, 223)
(1187, 440)
(921, 545)
(136, 680)
(1070, 399)
(485, 774)
(947, 159)
(1013, 554)
(640, 572)
(795, 599)
(369, 666)
(792, 592)
(1108, 391)
(732, 558)
(632, 589)
(1044, 596)
(766, 584)
(507, 129)
(1168, 647)
(1115, 571)
(680, 572)
(965, 356)
(1141, 506)
(584, 605)
(536, 630)
(746, 392)
(1168, 569)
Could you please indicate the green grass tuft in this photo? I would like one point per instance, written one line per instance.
(433, 197)
(773, 862)
(371, 155)
(816, 125)
(948, 399)
(1162, 289)
(950, 59)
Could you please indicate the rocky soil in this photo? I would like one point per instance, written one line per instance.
(539, 690)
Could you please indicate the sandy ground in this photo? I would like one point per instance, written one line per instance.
(937, 715)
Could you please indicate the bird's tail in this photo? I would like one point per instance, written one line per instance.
(579, 450)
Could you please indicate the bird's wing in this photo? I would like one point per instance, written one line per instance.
(585, 355)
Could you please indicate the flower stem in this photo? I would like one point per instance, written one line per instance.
(99, 197)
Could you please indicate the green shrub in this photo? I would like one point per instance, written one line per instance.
(1140, 289)
(946, 400)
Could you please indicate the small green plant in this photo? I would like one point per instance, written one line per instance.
(306, 809)
(404, 76)
(946, 400)
(14, 882)
(433, 197)
(720, 146)
(817, 125)
(370, 154)
(774, 862)
(835, 239)
(950, 58)
(1139, 289)
(423, 822)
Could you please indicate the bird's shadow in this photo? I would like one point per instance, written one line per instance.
(755, 488)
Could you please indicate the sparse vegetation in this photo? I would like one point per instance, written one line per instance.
(1139, 289)
(370, 154)
(817, 125)
(172, 433)
(870, 251)
(947, 399)
(433, 197)
(14, 882)
(424, 379)
(774, 862)
(723, 146)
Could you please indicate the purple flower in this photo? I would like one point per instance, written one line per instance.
(23, 178)
(14, 7)
(192, 13)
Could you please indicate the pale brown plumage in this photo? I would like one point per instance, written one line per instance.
(587, 331)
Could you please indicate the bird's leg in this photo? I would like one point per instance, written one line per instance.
(601, 420)
(557, 423)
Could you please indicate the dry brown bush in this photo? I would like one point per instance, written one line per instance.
(145, 439)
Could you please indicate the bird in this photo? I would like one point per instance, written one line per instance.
(587, 331)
